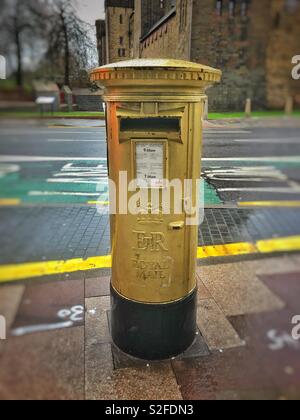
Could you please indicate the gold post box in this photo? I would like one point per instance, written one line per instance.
(154, 127)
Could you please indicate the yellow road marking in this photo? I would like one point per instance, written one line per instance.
(290, 244)
(9, 202)
(39, 269)
(101, 203)
(9, 273)
(269, 204)
(242, 248)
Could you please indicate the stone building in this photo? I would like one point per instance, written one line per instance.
(114, 40)
(252, 41)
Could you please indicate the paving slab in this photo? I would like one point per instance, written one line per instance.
(296, 259)
(45, 306)
(96, 321)
(149, 383)
(233, 375)
(287, 287)
(10, 298)
(45, 366)
(103, 381)
(287, 263)
(237, 290)
(98, 371)
(97, 286)
(203, 292)
(216, 329)
(153, 382)
(269, 337)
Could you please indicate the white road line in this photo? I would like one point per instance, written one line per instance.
(92, 131)
(263, 189)
(22, 133)
(246, 174)
(240, 168)
(241, 172)
(283, 141)
(208, 131)
(75, 181)
(54, 193)
(75, 140)
(249, 179)
(19, 332)
(71, 169)
(90, 174)
(12, 158)
(255, 159)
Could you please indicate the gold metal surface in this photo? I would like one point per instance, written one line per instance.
(176, 225)
(154, 255)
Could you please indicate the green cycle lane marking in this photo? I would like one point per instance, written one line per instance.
(78, 182)
(85, 181)
(282, 164)
(42, 182)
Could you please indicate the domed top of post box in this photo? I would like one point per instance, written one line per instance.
(157, 71)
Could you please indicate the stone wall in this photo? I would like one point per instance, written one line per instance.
(87, 100)
(137, 28)
(171, 37)
(235, 42)
(151, 12)
(284, 44)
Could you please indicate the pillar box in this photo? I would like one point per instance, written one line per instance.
(154, 128)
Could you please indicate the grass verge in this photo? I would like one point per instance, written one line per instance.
(28, 114)
(259, 114)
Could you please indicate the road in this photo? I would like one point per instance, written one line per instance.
(51, 177)
(260, 164)
(66, 164)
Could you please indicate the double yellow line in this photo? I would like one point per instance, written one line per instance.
(9, 202)
(266, 246)
(16, 272)
(295, 203)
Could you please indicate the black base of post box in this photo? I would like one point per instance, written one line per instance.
(153, 331)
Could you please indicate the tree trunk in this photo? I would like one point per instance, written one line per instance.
(67, 51)
(19, 74)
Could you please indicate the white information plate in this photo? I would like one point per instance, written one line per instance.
(150, 164)
(45, 100)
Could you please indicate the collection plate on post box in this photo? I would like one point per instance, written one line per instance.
(150, 163)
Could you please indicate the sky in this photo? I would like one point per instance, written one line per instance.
(90, 10)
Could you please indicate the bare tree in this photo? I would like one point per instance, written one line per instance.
(69, 38)
(28, 26)
(21, 27)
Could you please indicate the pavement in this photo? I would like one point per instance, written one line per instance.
(55, 268)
